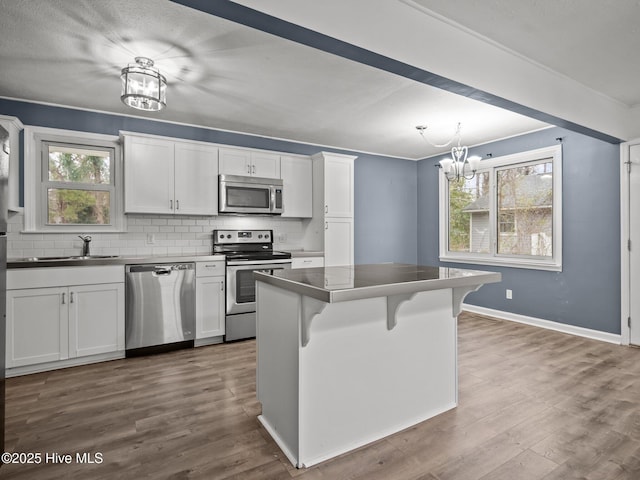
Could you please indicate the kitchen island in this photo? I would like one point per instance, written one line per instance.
(348, 355)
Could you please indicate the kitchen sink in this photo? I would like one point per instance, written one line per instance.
(88, 257)
(65, 257)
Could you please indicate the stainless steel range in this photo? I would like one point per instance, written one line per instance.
(246, 251)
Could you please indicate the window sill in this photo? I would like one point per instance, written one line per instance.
(503, 262)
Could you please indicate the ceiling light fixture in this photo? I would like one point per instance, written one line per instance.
(458, 166)
(143, 86)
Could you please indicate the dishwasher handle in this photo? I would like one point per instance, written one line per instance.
(162, 271)
(159, 270)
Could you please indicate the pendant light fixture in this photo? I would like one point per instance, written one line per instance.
(458, 166)
(143, 86)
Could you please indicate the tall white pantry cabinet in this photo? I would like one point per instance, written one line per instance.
(331, 228)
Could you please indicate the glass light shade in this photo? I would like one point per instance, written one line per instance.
(474, 162)
(143, 87)
(446, 163)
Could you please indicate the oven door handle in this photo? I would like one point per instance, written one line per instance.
(241, 263)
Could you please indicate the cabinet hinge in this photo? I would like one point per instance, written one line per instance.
(628, 164)
(629, 322)
(629, 244)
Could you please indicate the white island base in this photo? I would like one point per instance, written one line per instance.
(332, 377)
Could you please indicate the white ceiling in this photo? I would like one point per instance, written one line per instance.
(592, 41)
(227, 76)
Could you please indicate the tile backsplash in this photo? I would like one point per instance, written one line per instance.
(151, 235)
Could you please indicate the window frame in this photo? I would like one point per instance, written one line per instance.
(493, 165)
(36, 182)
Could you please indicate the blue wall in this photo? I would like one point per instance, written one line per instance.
(587, 291)
(386, 210)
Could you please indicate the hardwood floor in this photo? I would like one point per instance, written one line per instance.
(534, 404)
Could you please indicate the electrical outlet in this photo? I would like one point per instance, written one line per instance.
(509, 294)
(151, 238)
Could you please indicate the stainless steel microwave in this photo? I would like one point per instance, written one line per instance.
(250, 195)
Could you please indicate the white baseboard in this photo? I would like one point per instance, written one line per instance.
(548, 324)
(71, 362)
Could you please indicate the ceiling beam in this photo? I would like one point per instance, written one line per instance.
(267, 23)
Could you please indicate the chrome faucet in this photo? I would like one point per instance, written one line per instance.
(85, 246)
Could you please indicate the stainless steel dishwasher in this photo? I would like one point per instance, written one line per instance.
(160, 307)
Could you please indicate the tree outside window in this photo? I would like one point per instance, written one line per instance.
(525, 195)
(468, 221)
(78, 185)
(509, 213)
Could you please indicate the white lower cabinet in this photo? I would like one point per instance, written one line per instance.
(338, 241)
(96, 319)
(56, 320)
(210, 296)
(51, 324)
(37, 326)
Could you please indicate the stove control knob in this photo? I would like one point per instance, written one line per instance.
(221, 236)
(229, 236)
(266, 235)
(260, 236)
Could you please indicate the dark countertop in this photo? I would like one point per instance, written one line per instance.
(39, 262)
(353, 282)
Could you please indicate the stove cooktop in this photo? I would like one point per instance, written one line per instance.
(264, 255)
(246, 245)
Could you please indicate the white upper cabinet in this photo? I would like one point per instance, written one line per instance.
(196, 179)
(265, 164)
(148, 175)
(234, 161)
(170, 177)
(297, 183)
(254, 163)
(338, 186)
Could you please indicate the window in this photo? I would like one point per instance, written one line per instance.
(76, 182)
(508, 214)
(77, 186)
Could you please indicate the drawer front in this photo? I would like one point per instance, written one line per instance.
(307, 262)
(210, 269)
(18, 278)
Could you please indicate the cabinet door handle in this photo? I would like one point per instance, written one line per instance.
(249, 169)
(170, 204)
(254, 169)
(71, 297)
(177, 204)
(326, 209)
(326, 225)
(221, 287)
(64, 301)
